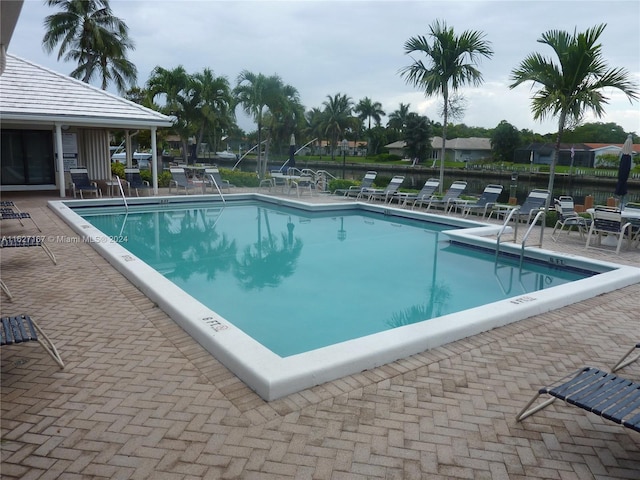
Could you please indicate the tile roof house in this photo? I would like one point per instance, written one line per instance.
(43, 112)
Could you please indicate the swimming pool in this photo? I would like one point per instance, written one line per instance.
(291, 236)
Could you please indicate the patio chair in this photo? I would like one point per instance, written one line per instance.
(446, 202)
(135, 181)
(354, 190)
(23, 329)
(627, 358)
(605, 394)
(80, 182)
(535, 201)
(428, 189)
(484, 204)
(180, 181)
(386, 194)
(26, 241)
(607, 221)
(303, 183)
(213, 179)
(278, 181)
(568, 217)
(634, 208)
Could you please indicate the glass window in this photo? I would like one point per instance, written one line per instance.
(27, 157)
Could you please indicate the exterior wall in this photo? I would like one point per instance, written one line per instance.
(92, 152)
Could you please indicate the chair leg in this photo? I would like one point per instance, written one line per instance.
(527, 411)
(624, 361)
(5, 289)
(47, 344)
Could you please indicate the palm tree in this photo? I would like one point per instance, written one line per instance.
(91, 35)
(174, 85)
(336, 118)
(258, 94)
(214, 99)
(366, 110)
(451, 63)
(398, 118)
(574, 84)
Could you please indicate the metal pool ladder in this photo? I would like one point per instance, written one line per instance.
(215, 184)
(124, 198)
(540, 215)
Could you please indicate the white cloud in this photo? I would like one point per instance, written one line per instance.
(357, 47)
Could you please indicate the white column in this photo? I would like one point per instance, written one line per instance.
(59, 160)
(154, 160)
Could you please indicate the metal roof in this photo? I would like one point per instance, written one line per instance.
(33, 94)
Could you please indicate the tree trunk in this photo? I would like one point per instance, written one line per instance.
(554, 159)
(444, 142)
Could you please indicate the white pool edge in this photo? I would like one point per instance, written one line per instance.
(272, 377)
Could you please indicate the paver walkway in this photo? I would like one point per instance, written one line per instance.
(141, 399)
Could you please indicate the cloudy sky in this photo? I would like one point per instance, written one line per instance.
(357, 47)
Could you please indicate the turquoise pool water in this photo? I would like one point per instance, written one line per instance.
(296, 281)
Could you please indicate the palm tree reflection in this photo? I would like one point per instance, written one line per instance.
(439, 295)
(270, 259)
(206, 251)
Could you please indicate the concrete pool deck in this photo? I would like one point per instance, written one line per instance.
(140, 399)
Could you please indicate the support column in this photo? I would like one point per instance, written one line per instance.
(60, 161)
(154, 160)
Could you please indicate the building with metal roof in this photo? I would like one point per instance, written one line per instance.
(43, 112)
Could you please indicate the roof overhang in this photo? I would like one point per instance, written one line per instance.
(84, 122)
(9, 13)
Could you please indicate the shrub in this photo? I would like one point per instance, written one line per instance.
(240, 179)
(340, 184)
(117, 169)
(163, 178)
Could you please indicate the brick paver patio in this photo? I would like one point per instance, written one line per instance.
(141, 399)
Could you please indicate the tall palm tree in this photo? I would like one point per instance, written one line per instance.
(337, 118)
(173, 86)
(574, 84)
(214, 100)
(89, 34)
(314, 121)
(398, 118)
(258, 94)
(366, 110)
(450, 63)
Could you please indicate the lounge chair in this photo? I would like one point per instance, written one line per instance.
(568, 217)
(447, 201)
(625, 360)
(26, 241)
(605, 394)
(9, 214)
(179, 180)
(22, 329)
(535, 201)
(80, 182)
(213, 179)
(484, 204)
(427, 191)
(386, 194)
(354, 190)
(135, 181)
(608, 221)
